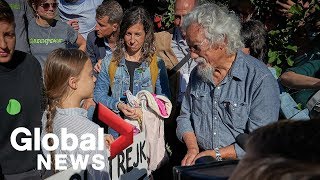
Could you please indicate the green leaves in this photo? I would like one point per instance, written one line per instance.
(274, 32)
(278, 70)
(296, 10)
(272, 55)
(292, 48)
(290, 61)
(299, 106)
(281, 41)
(168, 17)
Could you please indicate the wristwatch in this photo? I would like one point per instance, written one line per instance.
(218, 155)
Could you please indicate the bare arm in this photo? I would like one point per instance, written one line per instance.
(227, 152)
(97, 66)
(191, 142)
(81, 42)
(297, 81)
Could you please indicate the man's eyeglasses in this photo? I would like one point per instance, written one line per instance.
(46, 6)
(196, 48)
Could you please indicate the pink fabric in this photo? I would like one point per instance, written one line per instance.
(135, 130)
(161, 105)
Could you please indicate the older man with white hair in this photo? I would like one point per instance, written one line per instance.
(229, 92)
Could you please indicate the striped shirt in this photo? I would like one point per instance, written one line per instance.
(77, 123)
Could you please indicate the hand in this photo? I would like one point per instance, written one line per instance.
(137, 114)
(74, 23)
(87, 103)
(205, 153)
(126, 109)
(189, 157)
(108, 138)
(283, 6)
(97, 67)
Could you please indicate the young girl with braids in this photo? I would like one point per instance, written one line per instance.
(68, 79)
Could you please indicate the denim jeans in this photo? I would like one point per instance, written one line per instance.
(289, 109)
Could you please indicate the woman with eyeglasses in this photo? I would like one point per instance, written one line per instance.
(46, 34)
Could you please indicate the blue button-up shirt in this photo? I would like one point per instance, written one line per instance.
(108, 48)
(247, 98)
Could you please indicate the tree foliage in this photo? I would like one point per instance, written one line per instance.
(282, 31)
(282, 41)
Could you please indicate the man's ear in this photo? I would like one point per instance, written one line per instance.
(222, 46)
(246, 50)
(73, 83)
(115, 26)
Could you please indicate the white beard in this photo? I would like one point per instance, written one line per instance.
(205, 71)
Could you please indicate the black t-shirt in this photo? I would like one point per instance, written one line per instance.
(131, 67)
(21, 80)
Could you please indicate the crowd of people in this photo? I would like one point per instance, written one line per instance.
(209, 76)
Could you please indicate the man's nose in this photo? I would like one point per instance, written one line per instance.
(181, 21)
(3, 43)
(97, 27)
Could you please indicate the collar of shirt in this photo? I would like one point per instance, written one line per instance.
(177, 36)
(63, 2)
(237, 71)
(108, 48)
(73, 111)
(179, 45)
(238, 68)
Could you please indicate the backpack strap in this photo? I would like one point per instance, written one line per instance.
(154, 70)
(112, 71)
(313, 106)
(313, 101)
(178, 66)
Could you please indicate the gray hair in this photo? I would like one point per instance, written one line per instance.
(112, 9)
(219, 25)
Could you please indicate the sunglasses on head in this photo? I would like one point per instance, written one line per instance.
(46, 6)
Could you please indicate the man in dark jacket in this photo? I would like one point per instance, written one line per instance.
(102, 41)
(20, 102)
